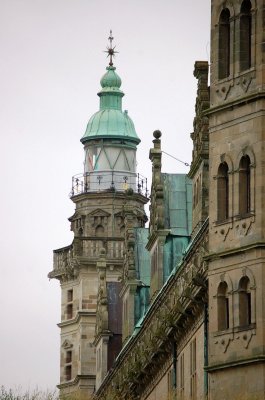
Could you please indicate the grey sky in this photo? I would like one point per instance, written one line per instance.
(51, 63)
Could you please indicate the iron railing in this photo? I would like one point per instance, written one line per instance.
(108, 181)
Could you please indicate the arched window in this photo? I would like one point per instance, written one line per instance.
(245, 35)
(244, 301)
(223, 306)
(222, 192)
(244, 185)
(224, 44)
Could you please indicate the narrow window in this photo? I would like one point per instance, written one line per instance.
(244, 302)
(181, 377)
(154, 262)
(70, 295)
(68, 372)
(222, 192)
(244, 185)
(69, 311)
(99, 358)
(198, 189)
(125, 310)
(68, 357)
(224, 44)
(194, 194)
(245, 35)
(223, 306)
(193, 387)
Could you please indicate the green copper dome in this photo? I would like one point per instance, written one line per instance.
(110, 122)
(110, 79)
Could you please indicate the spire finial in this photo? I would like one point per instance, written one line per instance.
(111, 50)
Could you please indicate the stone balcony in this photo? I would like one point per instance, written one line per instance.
(67, 259)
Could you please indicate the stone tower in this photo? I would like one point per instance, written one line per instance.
(90, 269)
(236, 200)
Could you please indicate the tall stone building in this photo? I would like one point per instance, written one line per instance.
(191, 286)
(236, 202)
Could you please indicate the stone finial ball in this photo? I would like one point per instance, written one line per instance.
(157, 134)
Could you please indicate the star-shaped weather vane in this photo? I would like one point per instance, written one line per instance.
(110, 50)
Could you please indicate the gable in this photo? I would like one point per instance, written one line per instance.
(99, 213)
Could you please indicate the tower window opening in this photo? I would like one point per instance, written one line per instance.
(222, 192)
(70, 295)
(223, 306)
(244, 302)
(244, 185)
(68, 357)
(224, 45)
(245, 35)
(68, 372)
(69, 311)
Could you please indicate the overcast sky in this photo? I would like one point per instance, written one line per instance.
(52, 60)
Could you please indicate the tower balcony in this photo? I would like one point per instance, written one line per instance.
(115, 181)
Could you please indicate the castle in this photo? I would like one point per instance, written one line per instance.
(175, 310)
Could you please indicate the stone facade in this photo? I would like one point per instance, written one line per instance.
(193, 327)
(236, 242)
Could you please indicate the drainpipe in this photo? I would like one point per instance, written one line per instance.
(205, 350)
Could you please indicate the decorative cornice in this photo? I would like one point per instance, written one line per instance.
(242, 249)
(231, 364)
(131, 285)
(196, 164)
(102, 335)
(106, 195)
(161, 233)
(77, 318)
(75, 381)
